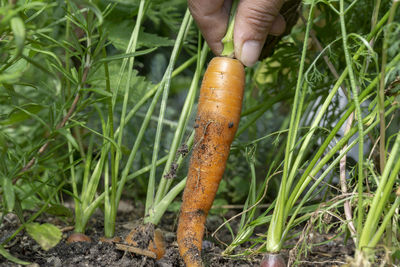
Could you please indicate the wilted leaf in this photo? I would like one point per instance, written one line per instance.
(46, 235)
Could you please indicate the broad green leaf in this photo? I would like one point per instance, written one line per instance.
(18, 115)
(151, 40)
(8, 193)
(18, 28)
(10, 257)
(138, 84)
(119, 34)
(46, 235)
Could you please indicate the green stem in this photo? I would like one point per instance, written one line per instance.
(109, 221)
(304, 179)
(131, 49)
(157, 212)
(277, 222)
(381, 195)
(227, 41)
(153, 90)
(110, 207)
(302, 182)
(178, 43)
(150, 196)
(182, 123)
(381, 91)
(377, 236)
(323, 161)
(160, 208)
(354, 90)
(67, 52)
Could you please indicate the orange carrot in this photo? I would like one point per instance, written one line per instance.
(217, 120)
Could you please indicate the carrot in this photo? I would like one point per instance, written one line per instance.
(217, 120)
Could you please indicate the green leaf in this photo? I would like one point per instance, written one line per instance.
(151, 40)
(69, 137)
(119, 34)
(19, 115)
(10, 257)
(59, 210)
(8, 194)
(18, 28)
(11, 74)
(9, 77)
(138, 84)
(94, 9)
(46, 235)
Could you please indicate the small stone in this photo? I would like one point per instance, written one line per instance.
(163, 263)
(206, 245)
(54, 261)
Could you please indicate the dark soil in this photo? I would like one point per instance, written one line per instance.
(98, 253)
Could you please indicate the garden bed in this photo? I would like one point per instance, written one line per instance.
(98, 253)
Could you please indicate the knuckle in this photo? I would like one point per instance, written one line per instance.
(259, 19)
(194, 7)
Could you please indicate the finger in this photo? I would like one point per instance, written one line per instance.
(211, 17)
(278, 26)
(254, 20)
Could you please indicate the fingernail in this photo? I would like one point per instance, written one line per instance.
(250, 52)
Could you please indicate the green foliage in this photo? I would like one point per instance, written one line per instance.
(97, 101)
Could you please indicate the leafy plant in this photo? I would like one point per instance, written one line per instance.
(97, 103)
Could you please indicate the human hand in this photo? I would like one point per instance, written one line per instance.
(255, 19)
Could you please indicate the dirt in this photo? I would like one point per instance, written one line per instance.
(98, 253)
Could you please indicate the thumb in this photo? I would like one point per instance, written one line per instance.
(255, 19)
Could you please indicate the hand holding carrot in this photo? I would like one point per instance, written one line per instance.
(255, 19)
